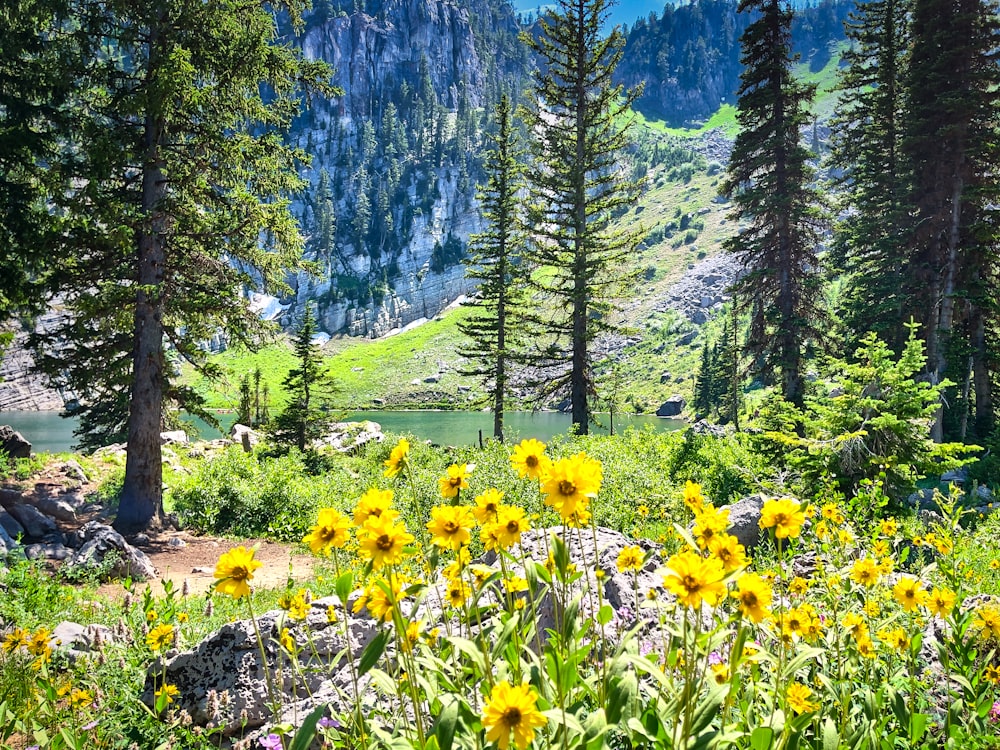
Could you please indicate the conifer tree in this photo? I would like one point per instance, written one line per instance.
(769, 183)
(867, 133)
(496, 261)
(37, 62)
(179, 168)
(951, 143)
(307, 416)
(577, 184)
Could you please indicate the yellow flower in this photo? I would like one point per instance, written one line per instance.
(298, 608)
(287, 641)
(729, 551)
(693, 498)
(480, 574)
(512, 709)
(182, 617)
(798, 698)
(754, 596)
(880, 548)
(865, 647)
(831, 512)
(909, 592)
(529, 459)
(855, 625)
(160, 637)
(15, 639)
(888, 527)
(515, 584)
(988, 620)
(489, 535)
(992, 674)
(708, 523)
(865, 572)
(720, 673)
(940, 602)
(642, 510)
(798, 585)
(398, 458)
(413, 631)
(511, 523)
(845, 536)
(630, 558)
(80, 698)
(449, 526)
(332, 530)
(872, 608)
(942, 545)
(456, 592)
(151, 615)
(455, 567)
(823, 531)
(799, 619)
(784, 515)
(895, 638)
(331, 614)
(170, 691)
(382, 540)
(487, 506)
(834, 581)
(234, 571)
(692, 578)
(456, 480)
(994, 564)
(570, 483)
(40, 643)
(375, 503)
(381, 597)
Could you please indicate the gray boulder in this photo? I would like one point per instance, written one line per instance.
(54, 506)
(10, 525)
(47, 551)
(672, 407)
(7, 543)
(346, 437)
(37, 525)
(244, 435)
(99, 542)
(73, 470)
(174, 436)
(78, 640)
(13, 443)
(744, 520)
(704, 427)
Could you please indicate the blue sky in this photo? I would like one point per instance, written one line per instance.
(624, 11)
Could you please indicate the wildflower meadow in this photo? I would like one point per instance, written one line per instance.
(831, 631)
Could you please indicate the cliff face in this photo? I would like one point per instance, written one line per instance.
(396, 159)
(21, 389)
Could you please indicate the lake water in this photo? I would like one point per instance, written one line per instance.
(47, 431)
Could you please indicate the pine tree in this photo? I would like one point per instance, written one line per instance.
(704, 384)
(769, 183)
(951, 143)
(867, 134)
(36, 82)
(575, 117)
(178, 167)
(496, 261)
(307, 416)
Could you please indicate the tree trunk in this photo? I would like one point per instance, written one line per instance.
(946, 314)
(984, 422)
(141, 502)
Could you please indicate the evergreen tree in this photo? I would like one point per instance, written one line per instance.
(496, 261)
(867, 134)
(769, 183)
(704, 384)
(178, 167)
(307, 416)
(244, 414)
(951, 144)
(37, 60)
(576, 117)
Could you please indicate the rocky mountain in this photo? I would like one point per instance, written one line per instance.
(396, 158)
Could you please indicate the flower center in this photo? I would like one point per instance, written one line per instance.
(450, 527)
(512, 527)
(384, 542)
(512, 717)
(691, 583)
(780, 519)
(566, 487)
(749, 599)
(240, 573)
(531, 462)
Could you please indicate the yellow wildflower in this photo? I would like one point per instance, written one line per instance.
(570, 483)
(798, 698)
(512, 710)
(784, 515)
(375, 503)
(449, 526)
(630, 558)
(383, 541)
(692, 578)
(234, 571)
(529, 459)
(754, 596)
(332, 530)
(456, 480)
(909, 592)
(487, 506)
(160, 637)
(398, 458)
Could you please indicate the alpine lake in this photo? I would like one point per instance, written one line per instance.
(49, 432)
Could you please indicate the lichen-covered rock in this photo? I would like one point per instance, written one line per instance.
(98, 542)
(744, 520)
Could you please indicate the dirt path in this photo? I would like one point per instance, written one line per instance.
(195, 562)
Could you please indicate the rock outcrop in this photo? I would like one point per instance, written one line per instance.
(13, 443)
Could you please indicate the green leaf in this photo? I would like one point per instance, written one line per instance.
(918, 725)
(605, 614)
(621, 696)
(444, 728)
(762, 738)
(372, 652)
(304, 737)
(831, 738)
(344, 586)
